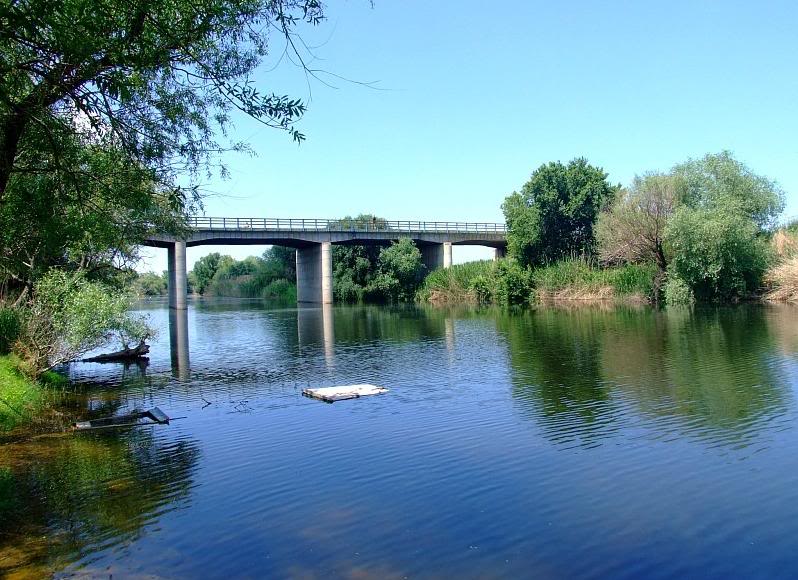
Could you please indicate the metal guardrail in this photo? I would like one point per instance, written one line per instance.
(323, 225)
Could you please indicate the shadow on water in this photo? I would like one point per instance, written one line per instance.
(65, 497)
(713, 371)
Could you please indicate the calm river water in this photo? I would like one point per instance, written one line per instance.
(552, 443)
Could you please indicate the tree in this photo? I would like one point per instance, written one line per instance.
(718, 253)
(632, 229)
(553, 215)
(158, 79)
(204, 270)
(720, 182)
(401, 271)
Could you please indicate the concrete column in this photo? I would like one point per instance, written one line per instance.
(499, 253)
(314, 274)
(326, 273)
(177, 275)
(447, 254)
(432, 256)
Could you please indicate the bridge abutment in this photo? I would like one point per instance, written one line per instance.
(177, 275)
(314, 282)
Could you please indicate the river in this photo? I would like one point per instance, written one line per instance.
(549, 443)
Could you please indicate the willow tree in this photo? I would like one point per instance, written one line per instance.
(104, 104)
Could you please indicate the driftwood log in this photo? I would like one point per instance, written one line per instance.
(126, 354)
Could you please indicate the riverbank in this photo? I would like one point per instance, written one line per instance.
(505, 283)
(24, 402)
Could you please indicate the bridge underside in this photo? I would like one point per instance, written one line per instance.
(314, 254)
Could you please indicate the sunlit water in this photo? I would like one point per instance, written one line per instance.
(582, 442)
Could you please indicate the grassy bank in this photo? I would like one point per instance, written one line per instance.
(504, 282)
(24, 402)
(579, 280)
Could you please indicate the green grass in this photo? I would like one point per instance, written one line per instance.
(454, 284)
(21, 398)
(577, 278)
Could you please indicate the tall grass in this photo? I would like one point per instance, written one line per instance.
(455, 284)
(578, 279)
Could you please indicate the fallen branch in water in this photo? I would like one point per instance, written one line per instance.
(125, 354)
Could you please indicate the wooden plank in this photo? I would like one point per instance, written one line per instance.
(343, 392)
(157, 415)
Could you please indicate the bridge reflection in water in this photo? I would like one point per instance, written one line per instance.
(178, 343)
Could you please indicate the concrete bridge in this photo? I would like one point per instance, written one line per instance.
(313, 240)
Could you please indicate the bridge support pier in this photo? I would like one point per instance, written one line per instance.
(447, 254)
(314, 274)
(432, 256)
(177, 275)
(499, 253)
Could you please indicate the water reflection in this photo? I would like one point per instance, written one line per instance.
(178, 343)
(65, 496)
(575, 371)
(315, 327)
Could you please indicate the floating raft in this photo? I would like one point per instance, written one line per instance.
(332, 394)
(130, 420)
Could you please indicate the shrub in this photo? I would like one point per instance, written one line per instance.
(69, 316)
(782, 280)
(10, 325)
(718, 254)
(677, 292)
(578, 278)
(512, 283)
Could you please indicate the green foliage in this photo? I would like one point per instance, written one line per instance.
(504, 282)
(401, 270)
(581, 278)
(718, 182)
(511, 283)
(677, 292)
(150, 284)
(204, 270)
(554, 214)
(10, 326)
(631, 230)
(718, 253)
(459, 283)
(20, 398)
(158, 80)
(69, 316)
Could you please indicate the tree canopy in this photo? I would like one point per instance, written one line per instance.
(553, 215)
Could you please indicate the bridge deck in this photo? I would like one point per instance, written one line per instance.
(325, 225)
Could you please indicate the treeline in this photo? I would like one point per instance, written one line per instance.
(702, 232)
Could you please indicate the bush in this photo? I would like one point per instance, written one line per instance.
(718, 254)
(677, 292)
(281, 290)
(10, 325)
(782, 281)
(69, 316)
(512, 283)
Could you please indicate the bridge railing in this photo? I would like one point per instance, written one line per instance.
(319, 225)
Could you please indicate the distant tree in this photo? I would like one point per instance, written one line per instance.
(632, 229)
(355, 266)
(150, 284)
(553, 215)
(282, 261)
(204, 270)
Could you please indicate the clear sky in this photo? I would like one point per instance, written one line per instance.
(473, 96)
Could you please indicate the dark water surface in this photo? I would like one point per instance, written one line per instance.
(551, 443)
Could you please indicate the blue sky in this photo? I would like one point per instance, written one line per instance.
(472, 99)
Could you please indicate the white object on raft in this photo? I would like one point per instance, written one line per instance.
(332, 394)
